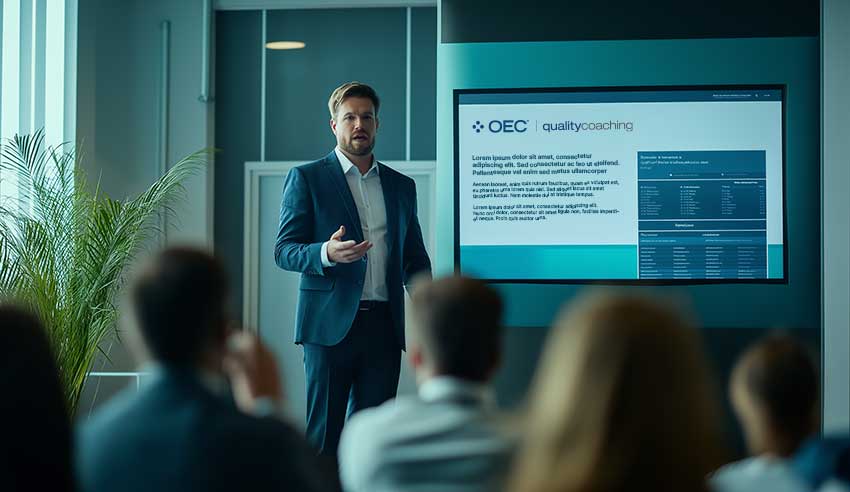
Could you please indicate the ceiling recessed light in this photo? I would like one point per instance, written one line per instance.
(285, 45)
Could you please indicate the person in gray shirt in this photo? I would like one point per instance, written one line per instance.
(449, 437)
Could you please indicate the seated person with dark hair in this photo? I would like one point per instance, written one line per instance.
(35, 451)
(774, 392)
(449, 437)
(181, 431)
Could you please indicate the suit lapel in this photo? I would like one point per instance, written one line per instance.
(391, 204)
(334, 169)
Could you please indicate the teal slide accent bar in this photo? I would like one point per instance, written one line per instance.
(775, 262)
(596, 262)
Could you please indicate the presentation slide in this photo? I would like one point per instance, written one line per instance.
(621, 184)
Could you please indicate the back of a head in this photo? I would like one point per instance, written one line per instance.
(622, 401)
(178, 302)
(458, 323)
(775, 394)
(35, 451)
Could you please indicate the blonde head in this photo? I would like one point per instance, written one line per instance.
(351, 89)
(622, 401)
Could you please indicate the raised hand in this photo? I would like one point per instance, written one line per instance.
(252, 370)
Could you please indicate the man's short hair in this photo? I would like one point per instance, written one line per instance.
(458, 322)
(179, 305)
(351, 89)
(781, 377)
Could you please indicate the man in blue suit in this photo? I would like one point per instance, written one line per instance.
(348, 224)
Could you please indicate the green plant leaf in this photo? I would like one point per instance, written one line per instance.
(64, 249)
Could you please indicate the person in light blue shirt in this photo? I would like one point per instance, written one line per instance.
(774, 392)
(449, 437)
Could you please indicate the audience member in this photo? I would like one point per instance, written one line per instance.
(774, 393)
(35, 451)
(181, 431)
(622, 401)
(449, 437)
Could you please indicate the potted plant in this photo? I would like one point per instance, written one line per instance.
(64, 247)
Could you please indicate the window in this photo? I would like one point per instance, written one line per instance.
(37, 73)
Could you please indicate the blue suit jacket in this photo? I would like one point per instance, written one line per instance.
(316, 201)
(174, 435)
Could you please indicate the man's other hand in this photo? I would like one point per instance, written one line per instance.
(340, 251)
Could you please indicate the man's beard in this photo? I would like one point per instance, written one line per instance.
(362, 150)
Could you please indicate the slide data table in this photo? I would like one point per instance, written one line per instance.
(701, 214)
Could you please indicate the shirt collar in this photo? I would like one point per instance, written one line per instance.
(211, 381)
(452, 388)
(346, 164)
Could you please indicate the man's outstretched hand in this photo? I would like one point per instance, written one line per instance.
(340, 251)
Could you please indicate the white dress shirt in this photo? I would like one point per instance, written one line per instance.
(446, 387)
(369, 198)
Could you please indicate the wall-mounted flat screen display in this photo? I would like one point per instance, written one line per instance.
(621, 184)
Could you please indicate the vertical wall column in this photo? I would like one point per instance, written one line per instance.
(835, 155)
(164, 78)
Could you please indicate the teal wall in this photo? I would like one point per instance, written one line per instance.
(791, 61)
(835, 37)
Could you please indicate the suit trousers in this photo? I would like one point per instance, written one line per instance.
(359, 372)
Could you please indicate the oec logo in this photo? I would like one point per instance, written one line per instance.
(508, 126)
(477, 127)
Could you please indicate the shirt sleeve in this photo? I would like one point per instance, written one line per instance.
(326, 262)
(354, 456)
